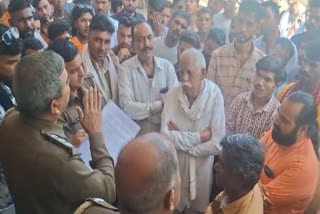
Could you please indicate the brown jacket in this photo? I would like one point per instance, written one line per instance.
(45, 173)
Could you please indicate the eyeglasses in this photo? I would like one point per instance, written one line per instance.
(10, 36)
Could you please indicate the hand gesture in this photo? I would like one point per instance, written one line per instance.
(91, 117)
(172, 126)
(78, 138)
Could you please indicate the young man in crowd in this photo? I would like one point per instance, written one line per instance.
(204, 24)
(62, 9)
(291, 170)
(53, 178)
(191, 6)
(232, 67)
(178, 5)
(193, 119)
(45, 11)
(254, 112)
(223, 19)
(216, 39)
(124, 48)
(10, 53)
(167, 12)
(130, 9)
(155, 18)
(97, 61)
(167, 47)
(81, 17)
(102, 8)
(238, 171)
(144, 80)
(21, 17)
(59, 29)
(312, 23)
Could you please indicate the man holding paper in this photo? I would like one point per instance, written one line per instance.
(193, 119)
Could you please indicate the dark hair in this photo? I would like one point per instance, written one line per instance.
(64, 48)
(58, 27)
(273, 6)
(204, 10)
(272, 64)
(191, 38)
(36, 16)
(310, 36)
(31, 44)
(245, 157)
(314, 4)
(251, 6)
(77, 12)
(167, 4)
(101, 23)
(126, 21)
(308, 115)
(156, 5)
(136, 24)
(217, 35)
(115, 4)
(286, 44)
(37, 2)
(36, 82)
(312, 50)
(14, 48)
(183, 15)
(17, 5)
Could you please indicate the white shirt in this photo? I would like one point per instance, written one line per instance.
(114, 38)
(163, 51)
(140, 99)
(195, 158)
(221, 22)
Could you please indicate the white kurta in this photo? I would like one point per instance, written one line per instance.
(195, 158)
(140, 97)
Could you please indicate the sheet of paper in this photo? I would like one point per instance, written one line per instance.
(118, 129)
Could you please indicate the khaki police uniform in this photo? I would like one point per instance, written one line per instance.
(45, 172)
(96, 206)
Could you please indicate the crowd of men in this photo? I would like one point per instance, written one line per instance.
(227, 98)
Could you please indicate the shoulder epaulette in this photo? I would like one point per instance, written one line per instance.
(61, 142)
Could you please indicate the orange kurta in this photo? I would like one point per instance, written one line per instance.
(78, 44)
(295, 175)
(5, 19)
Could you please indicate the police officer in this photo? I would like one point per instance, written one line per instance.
(96, 206)
(44, 171)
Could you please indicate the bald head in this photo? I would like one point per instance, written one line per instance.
(193, 56)
(146, 171)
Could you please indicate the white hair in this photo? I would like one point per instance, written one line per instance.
(197, 57)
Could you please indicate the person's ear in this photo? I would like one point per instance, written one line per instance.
(303, 130)
(169, 203)
(204, 73)
(54, 107)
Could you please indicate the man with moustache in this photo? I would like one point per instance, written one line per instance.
(21, 17)
(124, 35)
(193, 119)
(97, 61)
(232, 66)
(291, 168)
(253, 112)
(167, 47)
(144, 80)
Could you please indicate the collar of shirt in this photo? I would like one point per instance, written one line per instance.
(268, 107)
(137, 65)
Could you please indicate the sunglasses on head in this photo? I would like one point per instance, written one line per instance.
(10, 36)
